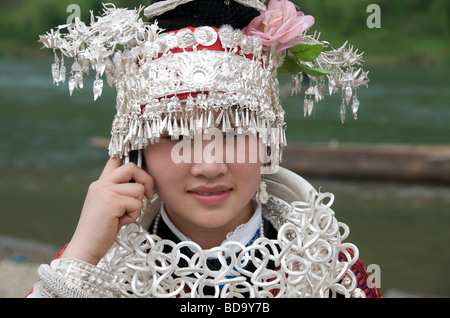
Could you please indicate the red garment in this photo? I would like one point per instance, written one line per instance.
(365, 283)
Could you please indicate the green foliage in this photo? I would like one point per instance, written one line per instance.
(22, 21)
(411, 30)
(293, 62)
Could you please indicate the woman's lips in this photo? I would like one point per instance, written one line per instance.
(210, 195)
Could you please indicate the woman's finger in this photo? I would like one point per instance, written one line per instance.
(133, 190)
(115, 172)
(111, 165)
(131, 209)
(129, 172)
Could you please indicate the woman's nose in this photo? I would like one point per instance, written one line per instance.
(209, 170)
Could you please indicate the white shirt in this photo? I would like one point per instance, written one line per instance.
(243, 234)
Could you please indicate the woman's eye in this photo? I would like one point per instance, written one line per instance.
(173, 138)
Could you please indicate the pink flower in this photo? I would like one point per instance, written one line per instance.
(280, 25)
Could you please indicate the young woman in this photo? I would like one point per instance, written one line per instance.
(205, 209)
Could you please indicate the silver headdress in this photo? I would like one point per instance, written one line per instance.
(193, 79)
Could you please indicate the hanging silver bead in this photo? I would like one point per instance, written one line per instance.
(98, 88)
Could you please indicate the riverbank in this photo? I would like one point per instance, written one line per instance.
(388, 162)
(19, 260)
(393, 162)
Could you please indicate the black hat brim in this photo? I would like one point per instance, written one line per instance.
(214, 13)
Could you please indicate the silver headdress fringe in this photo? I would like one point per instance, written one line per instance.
(233, 87)
(346, 78)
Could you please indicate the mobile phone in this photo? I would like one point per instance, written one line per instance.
(135, 156)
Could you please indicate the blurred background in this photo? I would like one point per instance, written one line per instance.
(398, 221)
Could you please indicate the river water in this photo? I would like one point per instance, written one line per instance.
(46, 165)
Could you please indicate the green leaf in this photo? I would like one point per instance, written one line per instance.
(292, 65)
(315, 71)
(307, 52)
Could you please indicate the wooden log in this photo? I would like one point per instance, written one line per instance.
(417, 163)
(422, 163)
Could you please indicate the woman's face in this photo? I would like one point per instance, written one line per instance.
(205, 197)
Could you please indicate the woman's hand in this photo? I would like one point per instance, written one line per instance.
(111, 202)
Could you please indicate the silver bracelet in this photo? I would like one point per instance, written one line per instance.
(75, 278)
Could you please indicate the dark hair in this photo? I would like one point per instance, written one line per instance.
(214, 13)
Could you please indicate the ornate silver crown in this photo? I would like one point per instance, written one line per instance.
(193, 79)
(178, 82)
